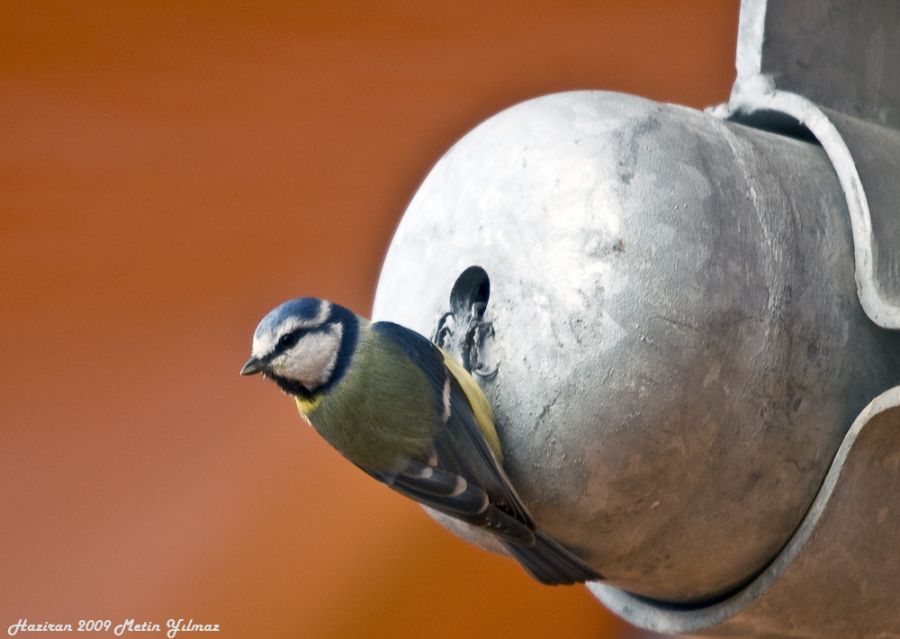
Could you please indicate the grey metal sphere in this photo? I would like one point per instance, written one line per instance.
(679, 344)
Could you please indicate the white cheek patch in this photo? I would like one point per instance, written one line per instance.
(312, 360)
(265, 343)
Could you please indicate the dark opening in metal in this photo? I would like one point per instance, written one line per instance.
(463, 330)
(470, 293)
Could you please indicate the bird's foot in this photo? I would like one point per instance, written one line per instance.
(463, 330)
(478, 332)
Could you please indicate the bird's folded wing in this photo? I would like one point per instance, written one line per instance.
(460, 447)
(457, 497)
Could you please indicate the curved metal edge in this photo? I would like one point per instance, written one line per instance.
(659, 617)
(755, 95)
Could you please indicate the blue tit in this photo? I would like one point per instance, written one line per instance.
(409, 415)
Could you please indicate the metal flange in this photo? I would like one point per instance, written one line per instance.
(838, 576)
(829, 67)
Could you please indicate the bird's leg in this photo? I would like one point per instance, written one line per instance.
(478, 330)
(463, 331)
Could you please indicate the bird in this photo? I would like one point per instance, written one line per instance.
(409, 415)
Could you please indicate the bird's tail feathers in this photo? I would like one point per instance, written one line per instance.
(551, 563)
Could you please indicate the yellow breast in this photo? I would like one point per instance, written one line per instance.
(308, 405)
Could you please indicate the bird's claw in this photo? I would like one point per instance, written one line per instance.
(484, 373)
(469, 346)
(444, 329)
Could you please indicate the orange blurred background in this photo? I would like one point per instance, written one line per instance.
(169, 172)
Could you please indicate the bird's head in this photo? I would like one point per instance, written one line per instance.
(303, 345)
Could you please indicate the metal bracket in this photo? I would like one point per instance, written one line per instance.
(826, 68)
(832, 579)
(830, 66)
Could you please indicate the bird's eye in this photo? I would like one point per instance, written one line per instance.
(288, 339)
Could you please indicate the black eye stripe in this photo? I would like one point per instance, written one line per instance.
(289, 340)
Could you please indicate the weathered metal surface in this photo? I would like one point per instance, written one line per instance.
(831, 66)
(827, 67)
(680, 347)
(838, 577)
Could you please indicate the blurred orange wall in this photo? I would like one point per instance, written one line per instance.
(170, 171)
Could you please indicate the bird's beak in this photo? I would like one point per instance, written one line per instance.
(253, 366)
